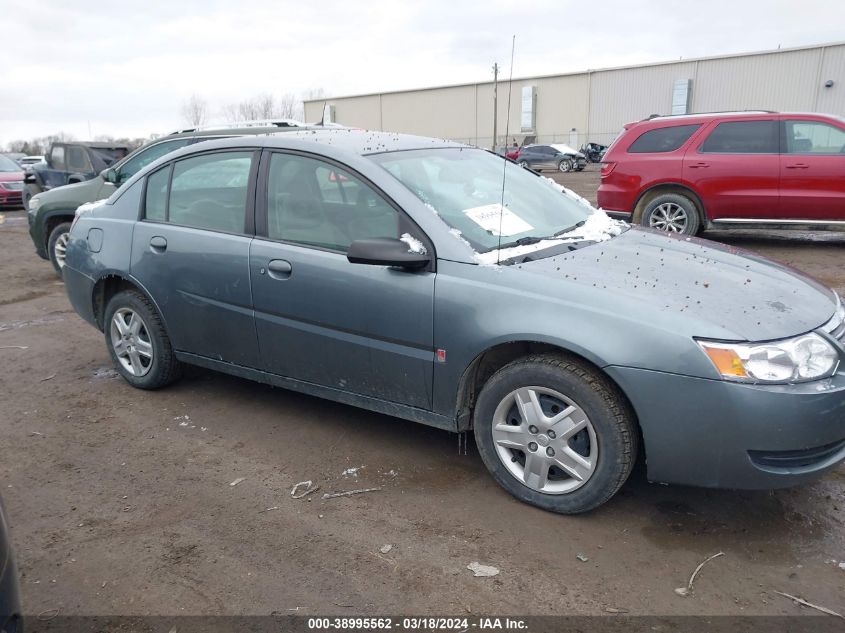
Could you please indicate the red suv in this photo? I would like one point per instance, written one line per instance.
(691, 172)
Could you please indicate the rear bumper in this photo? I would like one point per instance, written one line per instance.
(612, 198)
(728, 435)
(80, 292)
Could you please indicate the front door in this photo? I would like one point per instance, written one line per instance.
(320, 319)
(735, 169)
(191, 252)
(812, 171)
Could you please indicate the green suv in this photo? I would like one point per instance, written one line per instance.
(51, 213)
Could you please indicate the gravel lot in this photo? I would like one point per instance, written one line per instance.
(120, 500)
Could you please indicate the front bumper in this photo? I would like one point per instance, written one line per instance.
(10, 198)
(721, 434)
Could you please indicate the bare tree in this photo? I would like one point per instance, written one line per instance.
(265, 105)
(248, 110)
(230, 112)
(195, 110)
(289, 107)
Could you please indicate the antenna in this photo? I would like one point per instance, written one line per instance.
(504, 158)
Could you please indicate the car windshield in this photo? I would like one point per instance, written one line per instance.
(7, 164)
(464, 186)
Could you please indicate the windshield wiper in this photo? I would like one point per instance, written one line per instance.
(577, 225)
(531, 239)
(522, 241)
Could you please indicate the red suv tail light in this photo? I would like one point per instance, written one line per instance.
(606, 169)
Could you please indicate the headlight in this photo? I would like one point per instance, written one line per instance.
(799, 359)
(34, 203)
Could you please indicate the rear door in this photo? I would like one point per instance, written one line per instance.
(812, 170)
(734, 166)
(191, 252)
(320, 319)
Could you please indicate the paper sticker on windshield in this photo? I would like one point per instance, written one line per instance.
(498, 220)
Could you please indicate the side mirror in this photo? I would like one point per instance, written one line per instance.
(110, 175)
(385, 251)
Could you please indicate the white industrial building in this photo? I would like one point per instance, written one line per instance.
(593, 105)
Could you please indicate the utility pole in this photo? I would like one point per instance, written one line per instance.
(495, 102)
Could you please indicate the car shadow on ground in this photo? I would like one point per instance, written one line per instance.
(776, 526)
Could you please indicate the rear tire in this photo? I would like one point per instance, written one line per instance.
(568, 464)
(57, 246)
(522, 163)
(138, 343)
(672, 213)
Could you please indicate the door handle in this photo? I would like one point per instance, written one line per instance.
(279, 268)
(697, 165)
(798, 166)
(158, 244)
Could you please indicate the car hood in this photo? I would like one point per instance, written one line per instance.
(734, 290)
(11, 176)
(71, 196)
(566, 149)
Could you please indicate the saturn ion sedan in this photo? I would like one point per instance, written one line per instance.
(443, 284)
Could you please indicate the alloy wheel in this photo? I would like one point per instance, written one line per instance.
(669, 217)
(131, 342)
(545, 440)
(60, 249)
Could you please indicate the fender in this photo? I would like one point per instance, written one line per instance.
(99, 287)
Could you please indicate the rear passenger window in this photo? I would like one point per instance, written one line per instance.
(814, 137)
(743, 137)
(661, 140)
(313, 203)
(155, 206)
(210, 191)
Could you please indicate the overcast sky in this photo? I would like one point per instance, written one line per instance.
(126, 68)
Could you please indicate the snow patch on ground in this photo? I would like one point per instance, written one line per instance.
(414, 245)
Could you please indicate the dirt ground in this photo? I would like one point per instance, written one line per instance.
(121, 503)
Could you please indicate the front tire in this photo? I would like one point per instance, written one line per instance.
(555, 433)
(138, 343)
(565, 165)
(57, 246)
(522, 163)
(673, 213)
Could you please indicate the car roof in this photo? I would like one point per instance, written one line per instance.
(94, 144)
(361, 142)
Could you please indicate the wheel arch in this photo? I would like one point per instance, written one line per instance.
(488, 362)
(54, 218)
(657, 189)
(109, 284)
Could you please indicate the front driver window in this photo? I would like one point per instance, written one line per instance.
(147, 156)
(314, 203)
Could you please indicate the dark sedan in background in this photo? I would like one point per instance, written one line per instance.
(564, 339)
(551, 157)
